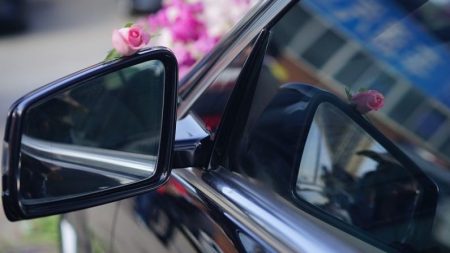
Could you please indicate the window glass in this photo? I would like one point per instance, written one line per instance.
(429, 122)
(445, 147)
(406, 106)
(374, 46)
(353, 69)
(383, 82)
(211, 104)
(382, 45)
(323, 48)
(292, 23)
(349, 175)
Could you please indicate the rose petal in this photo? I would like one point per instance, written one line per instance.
(135, 37)
(119, 43)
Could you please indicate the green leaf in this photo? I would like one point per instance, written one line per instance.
(112, 55)
(348, 93)
(129, 24)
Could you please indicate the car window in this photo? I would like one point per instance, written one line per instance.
(391, 46)
(210, 106)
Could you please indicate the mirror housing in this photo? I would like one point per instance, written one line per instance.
(16, 207)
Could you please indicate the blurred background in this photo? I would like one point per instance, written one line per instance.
(40, 41)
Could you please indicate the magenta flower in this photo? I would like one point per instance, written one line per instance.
(187, 27)
(184, 57)
(206, 43)
(195, 25)
(185, 60)
(367, 101)
(158, 20)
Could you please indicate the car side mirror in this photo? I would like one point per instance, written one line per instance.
(351, 175)
(99, 135)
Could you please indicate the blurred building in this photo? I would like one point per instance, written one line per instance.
(379, 44)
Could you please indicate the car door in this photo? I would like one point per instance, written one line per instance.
(242, 198)
(247, 190)
(209, 208)
(175, 218)
(88, 230)
(327, 169)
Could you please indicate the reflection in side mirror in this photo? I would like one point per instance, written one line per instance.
(100, 134)
(79, 141)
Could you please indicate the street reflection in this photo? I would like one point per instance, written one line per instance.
(171, 209)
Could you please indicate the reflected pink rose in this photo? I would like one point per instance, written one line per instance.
(368, 100)
(128, 41)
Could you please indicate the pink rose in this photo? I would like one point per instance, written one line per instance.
(368, 100)
(129, 40)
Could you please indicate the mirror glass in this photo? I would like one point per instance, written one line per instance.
(350, 176)
(101, 133)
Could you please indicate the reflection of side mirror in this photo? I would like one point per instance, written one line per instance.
(351, 175)
(96, 136)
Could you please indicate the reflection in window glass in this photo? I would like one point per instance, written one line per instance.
(290, 25)
(383, 82)
(429, 122)
(406, 106)
(321, 51)
(350, 176)
(354, 68)
(445, 148)
(210, 106)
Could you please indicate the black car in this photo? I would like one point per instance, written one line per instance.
(255, 150)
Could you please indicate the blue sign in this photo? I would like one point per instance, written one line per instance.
(394, 38)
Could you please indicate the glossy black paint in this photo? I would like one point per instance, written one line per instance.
(15, 209)
(217, 211)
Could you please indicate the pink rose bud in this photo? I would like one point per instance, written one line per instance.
(367, 101)
(128, 41)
